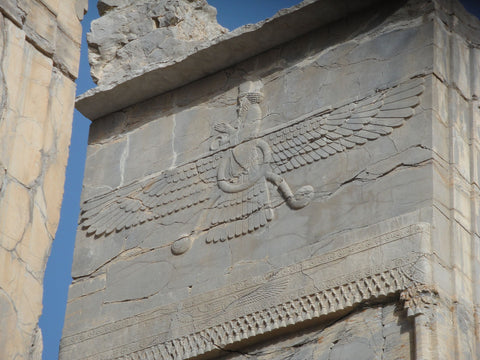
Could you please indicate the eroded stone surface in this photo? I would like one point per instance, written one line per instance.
(131, 36)
(39, 46)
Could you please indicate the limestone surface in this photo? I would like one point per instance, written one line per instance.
(39, 56)
(320, 187)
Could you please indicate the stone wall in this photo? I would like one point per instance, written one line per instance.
(132, 36)
(40, 50)
(303, 176)
(377, 332)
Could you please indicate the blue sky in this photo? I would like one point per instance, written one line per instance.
(231, 14)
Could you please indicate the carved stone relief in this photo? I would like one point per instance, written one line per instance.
(226, 193)
(262, 304)
(285, 210)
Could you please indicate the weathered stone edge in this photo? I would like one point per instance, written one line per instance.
(343, 292)
(215, 55)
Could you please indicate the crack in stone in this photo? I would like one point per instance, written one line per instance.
(302, 270)
(132, 300)
(358, 177)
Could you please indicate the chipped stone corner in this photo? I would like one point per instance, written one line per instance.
(81, 8)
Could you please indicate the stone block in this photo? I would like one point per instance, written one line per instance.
(440, 107)
(440, 139)
(52, 5)
(466, 325)
(441, 52)
(103, 167)
(81, 8)
(109, 127)
(16, 10)
(87, 286)
(461, 59)
(462, 192)
(40, 26)
(10, 342)
(475, 132)
(57, 131)
(78, 313)
(35, 245)
(35, 76)
(68, 20)
(476, 211)
(144, 146)
(94, 255)
(441, 186)
(475, 63)
(25, 162)
(443, 278)
(133, 36)
(460, 115)
(54, 175)
(138, 274)
(67, 53)
(25, 292)
(462, 257)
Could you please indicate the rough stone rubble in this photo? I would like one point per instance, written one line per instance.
(140, 34)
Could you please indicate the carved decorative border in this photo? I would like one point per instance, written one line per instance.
(328, 296)
(293, 312)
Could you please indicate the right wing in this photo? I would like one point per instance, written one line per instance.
(325, 133)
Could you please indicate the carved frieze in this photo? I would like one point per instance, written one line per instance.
(262, 304)
(225, 194)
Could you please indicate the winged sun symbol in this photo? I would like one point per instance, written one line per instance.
(227, 192)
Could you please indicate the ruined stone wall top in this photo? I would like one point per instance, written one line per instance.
(146, 66)
(132, 36)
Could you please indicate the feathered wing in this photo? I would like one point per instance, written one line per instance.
(185, 188)
(190, 187)
(239, 213)
(326, 133)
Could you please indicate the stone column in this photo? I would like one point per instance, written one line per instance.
(39, 59)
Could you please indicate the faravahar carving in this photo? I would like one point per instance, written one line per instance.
(227, 191)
